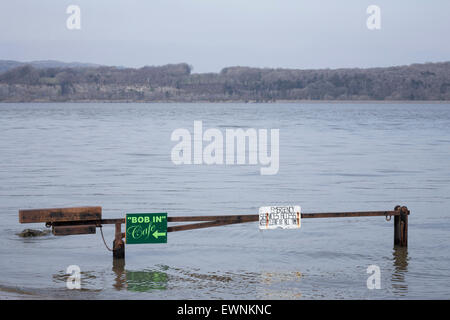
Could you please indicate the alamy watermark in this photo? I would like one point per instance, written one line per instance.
(374, 280)
(73, 22)
(74, 279)
(230, 150)
(374, 20)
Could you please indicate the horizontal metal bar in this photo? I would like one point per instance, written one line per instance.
(245, 218)
(200, 225)
(351, 214)
(255, 217)
(232, 219)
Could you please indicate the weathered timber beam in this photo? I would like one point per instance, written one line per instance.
(72, 230)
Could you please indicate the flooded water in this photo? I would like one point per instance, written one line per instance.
(333, 157)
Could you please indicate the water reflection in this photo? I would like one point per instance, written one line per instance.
(274, 285)
(138, 281)
(119, 270)
(400, 260)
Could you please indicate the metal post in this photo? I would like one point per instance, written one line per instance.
(404, 227)
(118, 244)
(401, 227)
(397, 227)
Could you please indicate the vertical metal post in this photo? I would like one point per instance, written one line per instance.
(118, 244)
(401, 227)
(397, 227)
(404, 227)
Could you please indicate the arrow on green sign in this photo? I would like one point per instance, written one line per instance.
(157, 234)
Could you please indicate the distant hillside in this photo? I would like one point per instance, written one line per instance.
(6, 65)
(176, 83)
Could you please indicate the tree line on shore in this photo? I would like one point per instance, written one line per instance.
(177, 83)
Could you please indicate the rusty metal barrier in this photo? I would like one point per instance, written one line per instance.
(85, 220)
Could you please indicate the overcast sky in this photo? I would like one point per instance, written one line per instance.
(212, 34)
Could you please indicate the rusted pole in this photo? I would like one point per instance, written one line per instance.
(242, 218)
(118, 243)
(404, 225)
(397, 227)
(401, 226)
(255, 217)
(204, 225)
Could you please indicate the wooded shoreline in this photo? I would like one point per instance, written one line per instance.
(176, 83)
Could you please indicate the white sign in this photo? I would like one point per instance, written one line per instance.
(285, 217)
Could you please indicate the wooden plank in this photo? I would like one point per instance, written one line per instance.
(71, 230)
(112, 221)
(60, 214)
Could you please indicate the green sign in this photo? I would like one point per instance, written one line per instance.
(146, 228)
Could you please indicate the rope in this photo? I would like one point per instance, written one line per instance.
(101, 231)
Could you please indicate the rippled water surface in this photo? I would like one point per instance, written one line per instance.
(333, 157)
